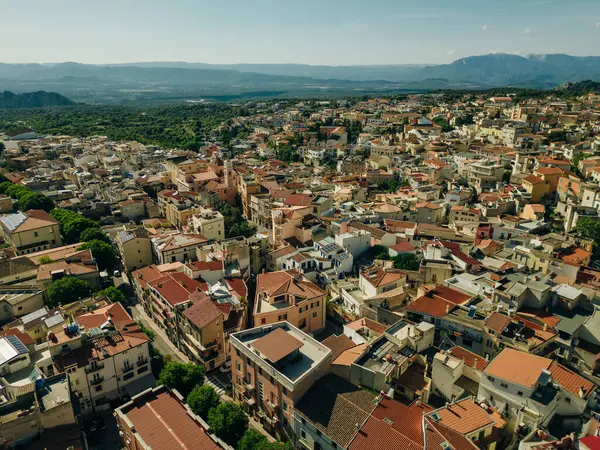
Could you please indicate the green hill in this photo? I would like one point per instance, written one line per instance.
(10, 100)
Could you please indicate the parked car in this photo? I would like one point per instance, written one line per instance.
(226, 367)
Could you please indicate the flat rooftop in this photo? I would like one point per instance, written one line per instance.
(383, 357)
(311, 353)
(54, 393)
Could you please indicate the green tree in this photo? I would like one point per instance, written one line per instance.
(72, 224)
(202, 399)
(229, 422)
(67, 290)
(35, 200)
(17, 191)
(251, 440)
(443, 123)
(94, 234)
(183, 377)
(114, 295)
(104, 254)
(45, 260)
(406, 261)
(4, 186)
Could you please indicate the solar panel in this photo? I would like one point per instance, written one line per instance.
(17, 344)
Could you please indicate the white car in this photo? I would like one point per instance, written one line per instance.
(226, 367)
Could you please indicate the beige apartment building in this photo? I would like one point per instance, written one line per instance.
(209, 224)
(30, 232)
(135, 247)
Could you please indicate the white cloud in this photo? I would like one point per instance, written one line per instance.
(484, 27)
(451, 52)
(527, 30)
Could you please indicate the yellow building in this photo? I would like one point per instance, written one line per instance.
(135, 247)
(30, 232)
(537, 187)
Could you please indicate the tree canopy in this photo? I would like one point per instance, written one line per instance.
(253, 440)
(202, 399)
(67, 290)
(35, 200)
(71, 224)
(406, 261)
(183, 377)
(114, 295)
(94, 234)
(235, 223)
(229, 422)
(443, 123)
(104, 254)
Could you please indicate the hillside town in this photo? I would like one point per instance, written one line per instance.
(410, 272)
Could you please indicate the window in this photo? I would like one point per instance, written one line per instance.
(567, 400)
(284, 390)
(98, 388)
(318, 433)
(285, 406)
(303, 421)
(35, 234)
(303, 434)
(238, 366)
(314, 314)
(263, 321)
(492, 379)
(520, 394)
(504, 385)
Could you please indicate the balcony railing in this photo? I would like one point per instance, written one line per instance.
(141, 362)
(127, 369)
(95, 381)
(95, 367)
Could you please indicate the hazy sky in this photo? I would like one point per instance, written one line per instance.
(332, 32)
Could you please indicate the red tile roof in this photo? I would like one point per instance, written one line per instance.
(470, 358)
(497, 322)
(569, 380)
(203, 311)
(517, 367)
(464, 417)
(162, 422)
(435, 307)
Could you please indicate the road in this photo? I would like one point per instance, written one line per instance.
(161, 341)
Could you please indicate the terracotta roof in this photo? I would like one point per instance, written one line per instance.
(277, 345)
(569, 380)
(162, 422)
(206, 265)
(517, 367)
(431, 306)
(464, 416)
(449, 294)
(497, 322)
(403, 247)
(471, 359)
(115, 311)
(298, 200)
(36, 218)
(347, 357)
(392, 426)
(338, 344)
(533, 179)
(203, 311)
(175, 287)
(380, 277)
(548, 171)
(334, 406)
(365, 322)
(287, 281)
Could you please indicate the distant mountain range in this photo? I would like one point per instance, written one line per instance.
(193, 81)
(10, 100)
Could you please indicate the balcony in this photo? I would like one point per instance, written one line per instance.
(142, 361)
(127, 369)
(94, 368)
(249, 401)
(97, 380)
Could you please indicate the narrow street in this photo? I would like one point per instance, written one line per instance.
(161, 341)
(166, 347)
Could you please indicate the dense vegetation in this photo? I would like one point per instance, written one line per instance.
(183, 377)
(67, 290)
(10, 100)
(235, 224)
(181, 126)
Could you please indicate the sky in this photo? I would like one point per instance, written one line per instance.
(318, 32)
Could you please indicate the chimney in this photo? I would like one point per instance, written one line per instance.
(545, 326)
